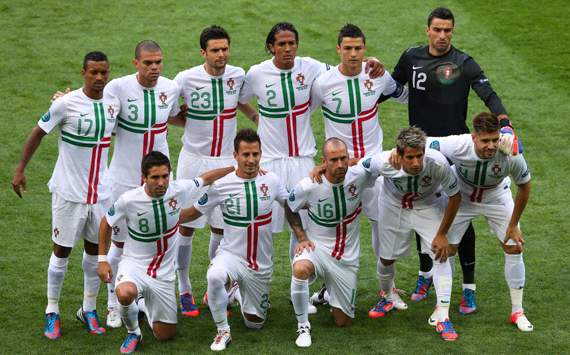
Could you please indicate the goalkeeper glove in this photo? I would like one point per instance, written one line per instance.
(509, 143)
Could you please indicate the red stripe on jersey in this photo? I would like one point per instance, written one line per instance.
(291, 121)
(408, 200)
(161, 248)
(341, 234)
(252, 238)
(218, 130)
(93, 179)
(358, 131)
(91, 173)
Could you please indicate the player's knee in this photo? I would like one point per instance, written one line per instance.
(512, 249)
(61, 251)
(217, 230)
(216, 278)
(341, 319)
(302, 269)
(252, 321)
(186, 231)
(125, 294)
(163, 332)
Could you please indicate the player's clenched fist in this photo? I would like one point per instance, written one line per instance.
(105, 272)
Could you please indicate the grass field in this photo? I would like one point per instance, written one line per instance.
(523, 49)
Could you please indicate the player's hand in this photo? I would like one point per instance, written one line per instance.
(514, 233)
(509, 142)
(374, 67)
(260, 171)
(19, 183)
(316, 173)
(183, 111)
(440, 247)
(395, 159)
(59, 94)
(305, 244)
(105, 272)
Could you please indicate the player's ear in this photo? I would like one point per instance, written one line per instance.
(135, 62)
(338, 49)
(203, 53)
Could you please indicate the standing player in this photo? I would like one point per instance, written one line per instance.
(211, 92)
(147, 100)
(333, 250)
(146, 270)
(483, 180)
(439, 77)
(413, 200)
(282, 86)
(245, 253)
(85, 122)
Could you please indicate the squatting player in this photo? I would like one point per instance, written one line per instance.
(85, 122)
(485, 188)
(245, 253)
(333, 248)
(439, 77)
(146, 270)
(211, 92)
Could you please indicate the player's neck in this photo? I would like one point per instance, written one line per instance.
(92, 94)
(244, 175)
(349, 70)
(332, 179)
(214, 71)
(283, 66)
(435, 53)
(146, 83)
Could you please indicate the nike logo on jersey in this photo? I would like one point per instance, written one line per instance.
(234, 195)
(269, 85)
(414, 67)
(83, 114)
(141, 213)
(334, 93)
(132, 100)
(199, 88)
(323, 199)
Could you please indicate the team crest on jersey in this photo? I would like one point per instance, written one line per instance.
(203, 200)
(163, 97)
(173, 203)
(46, 117)
(300, 78)
(111, 112)
(230, 83)
(55, 232)
(116, 230)
(369, 84)
(496, 169)
(264, 189)
(353, 191)
(426, 181)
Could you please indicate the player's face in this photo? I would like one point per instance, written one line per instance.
(486, 144)
(439, 34)
(217, 53)
(248, 157)
(157, 180)
(95, 75)
(284, 48)
(413, 160)
(149, 65)
(351, 51)
(336, 163)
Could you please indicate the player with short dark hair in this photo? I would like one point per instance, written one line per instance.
(85, 121)
(350, 31)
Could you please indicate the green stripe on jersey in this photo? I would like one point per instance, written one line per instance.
(149, 114)
(217, 95)
(250, 205)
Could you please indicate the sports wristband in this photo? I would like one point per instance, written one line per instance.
(102, 259)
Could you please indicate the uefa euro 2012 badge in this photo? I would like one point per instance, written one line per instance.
(46, 117)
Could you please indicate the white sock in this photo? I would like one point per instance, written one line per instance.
(130, 317)
(183, 259)
(292, 246)
(215, 240)
(114, 256)
(91, 282)
(218, 298)
(57, 268)
(451, 260)
(386, 275)
(300, 299)
(374, 238)
(426, 274)
(469, 286)
(442, 280)
(141, 304)
(515, 276)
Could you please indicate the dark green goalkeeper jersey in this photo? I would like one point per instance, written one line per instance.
(438, 106)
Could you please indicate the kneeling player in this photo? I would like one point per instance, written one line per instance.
(413, 200)
(484, 184)
(334, 247)
(146, 270)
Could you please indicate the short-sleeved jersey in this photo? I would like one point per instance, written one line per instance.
(212, 110)
(142, 124)
(440, 108)
(350, 108)
(334, 212)
(152, 225)
(283, 98)
(414, 191)
(86, 126)
(246, 208)
(480, 180)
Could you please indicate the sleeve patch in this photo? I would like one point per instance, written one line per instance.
(366, 163)
(111, 211)
(203, 200)
(434, 145)
(46, 117)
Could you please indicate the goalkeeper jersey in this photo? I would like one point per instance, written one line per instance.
(283, 98)
(212, 110)
(85, 127)
(246, 208)
(413, 191)
(334, 212)
(350, 108)
(142, 124)
(481, 180)
(152, 225)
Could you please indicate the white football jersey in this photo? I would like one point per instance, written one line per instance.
(212, 110)
(350, 108)
(334, 212)
(283, 98)
(152, 225)
(246, 208)
(86, 126)
(480, 180)
(142, 124)
(413, 191)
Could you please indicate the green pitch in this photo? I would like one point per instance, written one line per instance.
(523, 49)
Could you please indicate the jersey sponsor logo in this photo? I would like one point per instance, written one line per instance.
(334, 93)
(434, 145)
(203, 200)
(132, 100)
(269, 85)
(418, 67)
(292, 195)
(83, 114)
(300, 78)
(323, 199)
(366, 163)
(46, 117)
(141, 213)
(111, 211)
(163, 97)
(199, 88)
